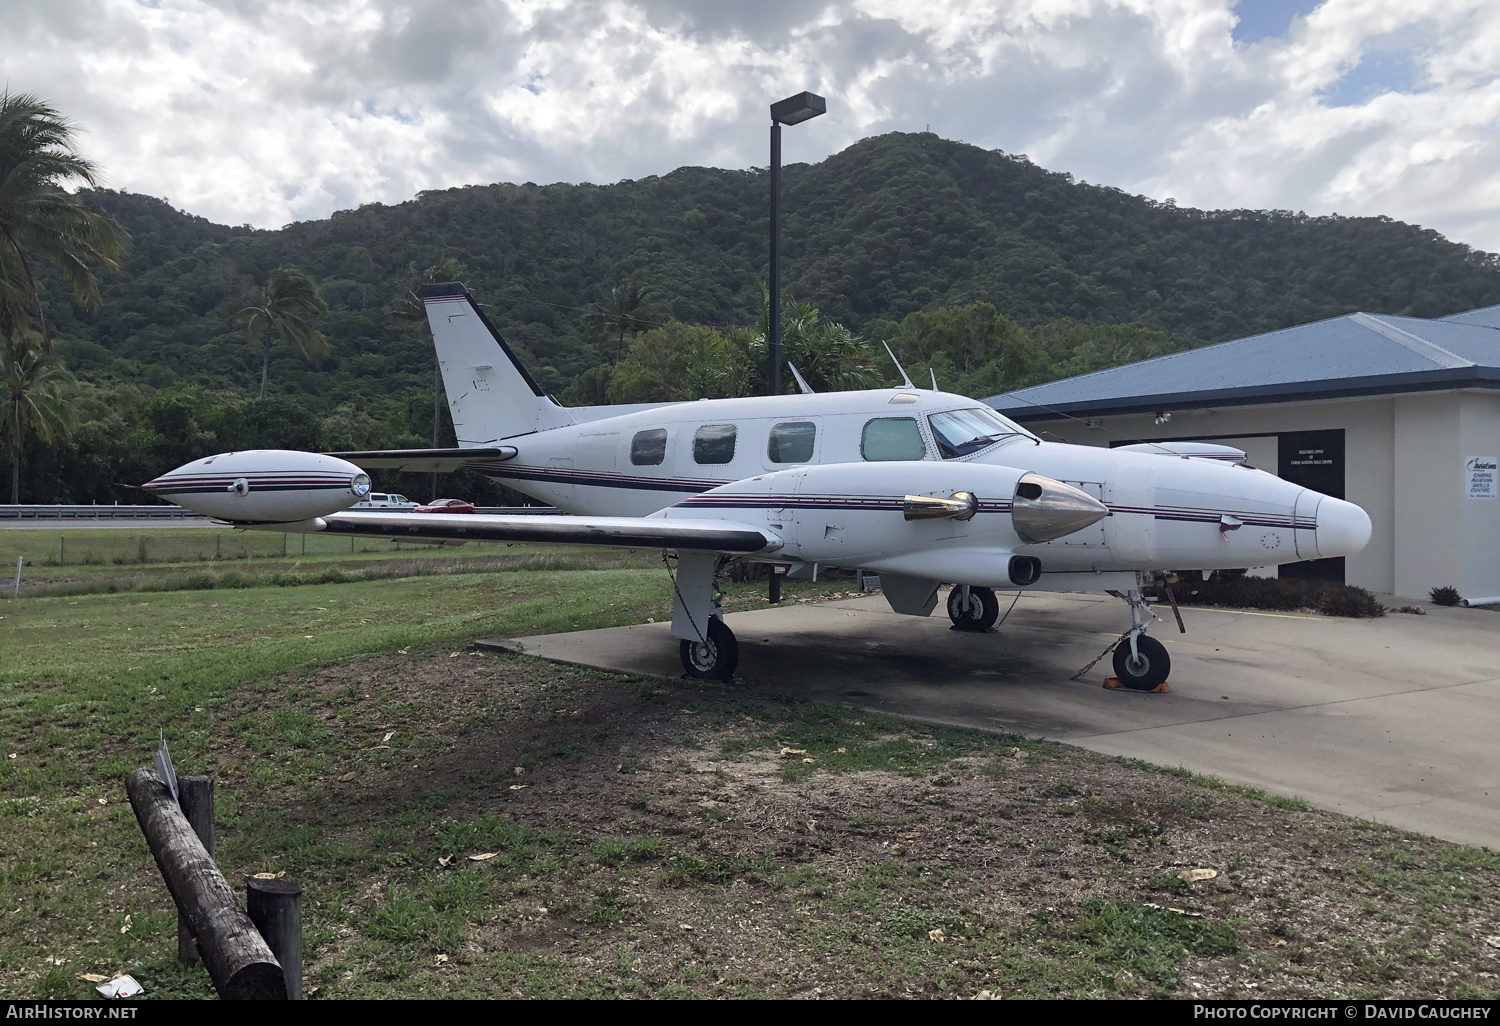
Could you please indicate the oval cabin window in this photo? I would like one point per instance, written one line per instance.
(714, 444)
(649, 448)
(792, 442)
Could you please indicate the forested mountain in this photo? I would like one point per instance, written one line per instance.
(894, 226)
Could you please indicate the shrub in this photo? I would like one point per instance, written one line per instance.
(1241, 592)
(1446, 596)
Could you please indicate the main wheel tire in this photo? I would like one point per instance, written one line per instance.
(1150, 671)
(714, 658)
(981, 612)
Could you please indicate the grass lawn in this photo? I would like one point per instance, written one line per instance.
(476, 825)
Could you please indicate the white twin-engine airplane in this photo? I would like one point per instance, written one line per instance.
(920, 486)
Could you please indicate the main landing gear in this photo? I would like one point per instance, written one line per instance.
(707, 647)
(973, 609)
(715, 656)
(1141, 663)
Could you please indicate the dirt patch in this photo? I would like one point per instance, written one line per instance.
(655, 838)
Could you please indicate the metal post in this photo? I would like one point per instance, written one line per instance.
(62, 551)
(275, 907)
(304, 544)
(218, 538)
(17, 593)
(437, 385)
(283, 543)
(775, 586)
(773, 372)
(195, 795)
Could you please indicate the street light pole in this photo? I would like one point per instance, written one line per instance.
(791, 111)
(773, 372)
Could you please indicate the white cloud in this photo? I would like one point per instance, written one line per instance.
(268, 112)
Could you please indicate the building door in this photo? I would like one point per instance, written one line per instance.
(1314, 459)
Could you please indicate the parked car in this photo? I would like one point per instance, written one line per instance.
(384, 500)
(446, 506)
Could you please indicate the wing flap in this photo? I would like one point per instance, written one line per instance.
(427, 461)
(638, 532)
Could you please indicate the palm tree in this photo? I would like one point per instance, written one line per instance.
(288, 302)
(38, 218)
(33, 382)
(633, 306)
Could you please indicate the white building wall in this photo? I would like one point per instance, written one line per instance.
(1478, 435)
(1369, 457)
(1427, 493)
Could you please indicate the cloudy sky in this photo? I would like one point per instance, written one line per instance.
(270, 111)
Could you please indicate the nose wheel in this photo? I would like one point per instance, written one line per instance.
(1146, 667)
(714, 657)
(973, 609)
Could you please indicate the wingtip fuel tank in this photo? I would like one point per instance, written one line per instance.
(263, 486)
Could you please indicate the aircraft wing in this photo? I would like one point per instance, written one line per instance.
(427, 461)
(711, 535)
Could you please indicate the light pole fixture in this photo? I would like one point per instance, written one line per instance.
(791, 111)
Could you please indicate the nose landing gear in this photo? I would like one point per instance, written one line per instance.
(973, 609)
(1140, 663)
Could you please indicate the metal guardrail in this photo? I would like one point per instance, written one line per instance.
(59, 512)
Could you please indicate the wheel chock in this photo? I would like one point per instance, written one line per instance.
(1113, 684)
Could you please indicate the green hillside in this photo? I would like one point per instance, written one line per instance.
(892, 226)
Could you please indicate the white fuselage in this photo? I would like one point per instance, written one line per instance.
(1165, 511)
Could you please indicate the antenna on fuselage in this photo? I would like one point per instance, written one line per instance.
(934, 379)
(897, 362)
(801, 382)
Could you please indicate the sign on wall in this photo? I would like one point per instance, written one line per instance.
(1480, 478)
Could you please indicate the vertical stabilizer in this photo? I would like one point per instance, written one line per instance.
(490, 394)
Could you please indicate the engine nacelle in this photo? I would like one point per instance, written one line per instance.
(264, 486)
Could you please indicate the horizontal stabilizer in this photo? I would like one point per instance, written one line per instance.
(427, 461)
(643, 532)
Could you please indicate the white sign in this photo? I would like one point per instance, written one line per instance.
(1480, 477)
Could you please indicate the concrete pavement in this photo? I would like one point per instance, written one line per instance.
(1395, 719)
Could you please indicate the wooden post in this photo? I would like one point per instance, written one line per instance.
(275, 907)
(236, 957)
(196, 797)
(62, 550)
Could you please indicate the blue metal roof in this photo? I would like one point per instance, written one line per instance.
(1489, 316)
(1357, 354)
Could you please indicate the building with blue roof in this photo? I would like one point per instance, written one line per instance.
(1398, 414)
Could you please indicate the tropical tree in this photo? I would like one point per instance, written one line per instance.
(35, 401)
(288, 302)
(633, 306)
(39, 219)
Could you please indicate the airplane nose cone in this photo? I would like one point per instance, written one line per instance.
(1343, 528)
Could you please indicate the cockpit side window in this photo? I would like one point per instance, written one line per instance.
(648, 448)
(964, 432)
(892, 438)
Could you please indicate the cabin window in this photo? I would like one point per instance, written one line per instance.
(714, 444)
(792, 442)
(963, 432)
(892, 438)
(649, 448)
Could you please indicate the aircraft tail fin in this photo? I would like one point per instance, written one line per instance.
(490, 393)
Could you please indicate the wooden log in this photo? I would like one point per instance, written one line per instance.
(275, 907)
(237, 958)
(195, 795)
